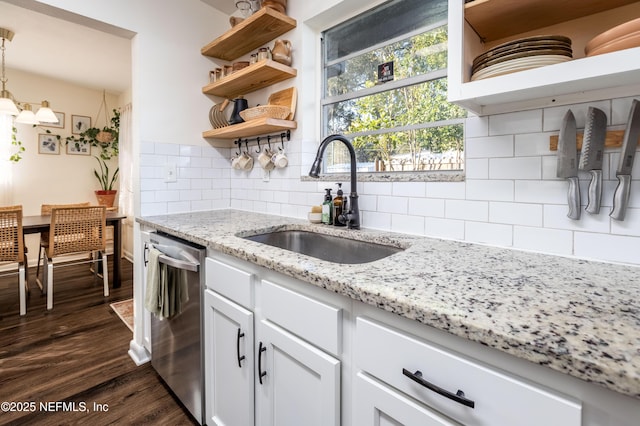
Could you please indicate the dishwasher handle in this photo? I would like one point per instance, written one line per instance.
(174, 257)
(179, 264)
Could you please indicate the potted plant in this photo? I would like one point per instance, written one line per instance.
(105, 137)
(107, 195)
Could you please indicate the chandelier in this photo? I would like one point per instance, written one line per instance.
(23, 111)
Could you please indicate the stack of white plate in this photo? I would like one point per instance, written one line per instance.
(522, 54)
(624, 36)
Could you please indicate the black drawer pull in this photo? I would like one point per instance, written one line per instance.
(261, 373)
(240, 358)
(457, 397)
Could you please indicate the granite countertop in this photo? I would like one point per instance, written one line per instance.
(575, 316)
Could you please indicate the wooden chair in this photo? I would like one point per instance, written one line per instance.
(45, 210)
(12, 246)
(75, 230)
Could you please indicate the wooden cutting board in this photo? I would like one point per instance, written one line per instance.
(287, 97)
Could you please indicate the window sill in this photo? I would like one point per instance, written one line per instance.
(443, 176)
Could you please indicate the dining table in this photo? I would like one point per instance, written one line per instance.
(41, 223)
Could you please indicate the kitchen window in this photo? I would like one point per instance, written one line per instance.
(385, 88)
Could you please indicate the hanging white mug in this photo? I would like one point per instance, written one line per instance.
(280, 159)
(265, 159)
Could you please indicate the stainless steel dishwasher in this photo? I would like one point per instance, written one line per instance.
(177, 343)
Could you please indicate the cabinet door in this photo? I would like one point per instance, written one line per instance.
(229, 362)
(377, 404)
(300, 383)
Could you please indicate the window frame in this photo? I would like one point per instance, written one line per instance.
(413, 175)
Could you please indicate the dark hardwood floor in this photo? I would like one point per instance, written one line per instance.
(70, 366)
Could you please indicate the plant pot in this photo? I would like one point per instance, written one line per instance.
(106, 197)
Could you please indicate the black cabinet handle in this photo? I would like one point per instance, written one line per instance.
(144, 254)
(261, 373)
(457, 397)
(240, 358)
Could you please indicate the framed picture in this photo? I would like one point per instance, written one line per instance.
(48, 144)
(78, 148)
(80, 123)
(59, 124)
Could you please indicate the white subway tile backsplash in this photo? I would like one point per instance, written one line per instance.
(449, 190)
(553, 116)
(476, 126)
(467, 210)
(376, 220)
(489, 147)
(515, 213)
(393, 204)
(529, 144)
(543, 240)
(407, 224)
(477, 168)
(629, 226)
(167, 149)
(489, 233)
(515, 168)
(431, 207)
(499, 190)
(409, 189)
(516, 122)
(444, 228)
(614, 248)
(555, 216)
(510, 195)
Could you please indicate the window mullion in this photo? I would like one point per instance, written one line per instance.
(392, 85)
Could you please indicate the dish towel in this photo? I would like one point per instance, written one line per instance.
(166, 287)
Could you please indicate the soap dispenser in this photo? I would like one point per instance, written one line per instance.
(327, 208)
(338, 206)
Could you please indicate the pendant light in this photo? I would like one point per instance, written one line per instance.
(7, 101)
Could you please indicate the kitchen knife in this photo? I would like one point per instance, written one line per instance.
(591, 155)
(625, 164)
(568, 163)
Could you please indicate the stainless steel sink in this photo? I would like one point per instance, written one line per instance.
(326, 247)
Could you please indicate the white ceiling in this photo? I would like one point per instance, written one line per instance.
(83, 52)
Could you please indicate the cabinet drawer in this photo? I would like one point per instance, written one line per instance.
(314, 321)
(377, 404)
(230, 282)
(499, 399)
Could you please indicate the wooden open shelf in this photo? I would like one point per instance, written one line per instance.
(260, 126)
(496, 19)
(255, 76)
(258, 29)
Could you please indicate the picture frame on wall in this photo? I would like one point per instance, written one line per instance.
(48, 144)
(80, 123)
(59, 124)
(78, 148)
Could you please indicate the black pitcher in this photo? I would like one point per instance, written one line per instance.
(240, 104)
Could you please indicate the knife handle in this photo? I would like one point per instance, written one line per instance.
(621, 197)
(595, 192)
(574, 198)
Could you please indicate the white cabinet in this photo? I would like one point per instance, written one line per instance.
(298, 383)
(459, 388)
(480, 25)
(285, 372)
(229, 362)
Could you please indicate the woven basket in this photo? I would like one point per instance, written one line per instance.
(265, 111)
(104, 137)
